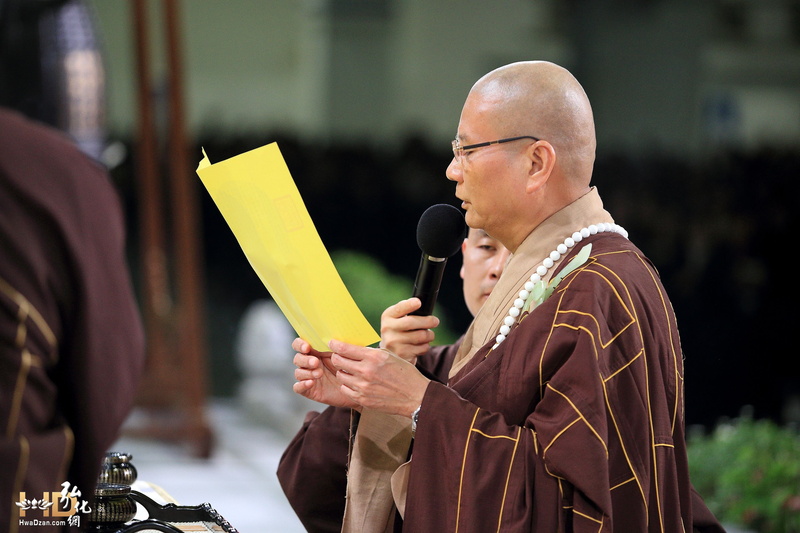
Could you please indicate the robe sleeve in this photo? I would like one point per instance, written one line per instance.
(487, 471)
(313, 469)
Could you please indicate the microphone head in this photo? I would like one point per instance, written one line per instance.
(441, 230)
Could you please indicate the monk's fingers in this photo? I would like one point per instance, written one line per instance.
(301, 374)
(402, 308)
(419, 337)
(306, 361)
(299, 345)
(356, 353)
(302, 387)
(352, 367)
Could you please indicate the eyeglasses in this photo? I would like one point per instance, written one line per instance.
(459, 151)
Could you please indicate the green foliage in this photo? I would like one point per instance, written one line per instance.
(748, 472)
(374, 289)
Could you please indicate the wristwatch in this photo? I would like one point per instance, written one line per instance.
(414, 419)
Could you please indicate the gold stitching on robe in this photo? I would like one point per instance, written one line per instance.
(565, 428)
(655, 469)
(31, 312)
(630, 309)
(586, 516)
(585, 421)
(678, 376)
(479, 432)
(463, 467)
(25, 312)
(25, 365)
(22, 329)
(647, 380)
(508, 478)
(627, 308)
(623, 367)
(622, 444)
(618, 485)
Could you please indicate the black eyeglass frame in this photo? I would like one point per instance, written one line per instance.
(464, 149)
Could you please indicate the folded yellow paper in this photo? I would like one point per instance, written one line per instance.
(259, 200)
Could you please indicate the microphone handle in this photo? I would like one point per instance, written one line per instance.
(429, 279)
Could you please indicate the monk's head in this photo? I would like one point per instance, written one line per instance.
(510, 187)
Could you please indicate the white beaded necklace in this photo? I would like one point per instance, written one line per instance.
(524, 296)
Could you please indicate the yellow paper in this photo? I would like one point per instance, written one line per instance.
(259, 200)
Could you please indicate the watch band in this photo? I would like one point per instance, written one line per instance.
(414, 419)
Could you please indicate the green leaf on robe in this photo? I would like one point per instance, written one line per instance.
(542, 291)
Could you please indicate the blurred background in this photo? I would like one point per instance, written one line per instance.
(697, 106)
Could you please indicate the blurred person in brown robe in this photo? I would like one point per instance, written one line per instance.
(313, 469)
(71, 339)
(563, 411)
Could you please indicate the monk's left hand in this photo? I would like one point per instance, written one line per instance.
(378, 379)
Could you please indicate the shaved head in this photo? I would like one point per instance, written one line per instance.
(545, 100)
(509, 188)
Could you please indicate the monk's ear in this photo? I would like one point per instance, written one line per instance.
(542, 161)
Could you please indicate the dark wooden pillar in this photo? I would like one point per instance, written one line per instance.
(173, 394)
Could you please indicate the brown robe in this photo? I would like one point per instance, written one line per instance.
(71, 340)
(574, 423)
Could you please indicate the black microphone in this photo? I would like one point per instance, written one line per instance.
(440, 232)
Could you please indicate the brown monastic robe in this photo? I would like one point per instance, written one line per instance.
(71, 339)
(574, 423)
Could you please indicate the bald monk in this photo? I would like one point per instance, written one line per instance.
(564, 408)
(312, 470)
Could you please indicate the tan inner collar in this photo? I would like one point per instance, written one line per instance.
(584, 211)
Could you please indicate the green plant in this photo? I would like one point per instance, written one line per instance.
(748, 472)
